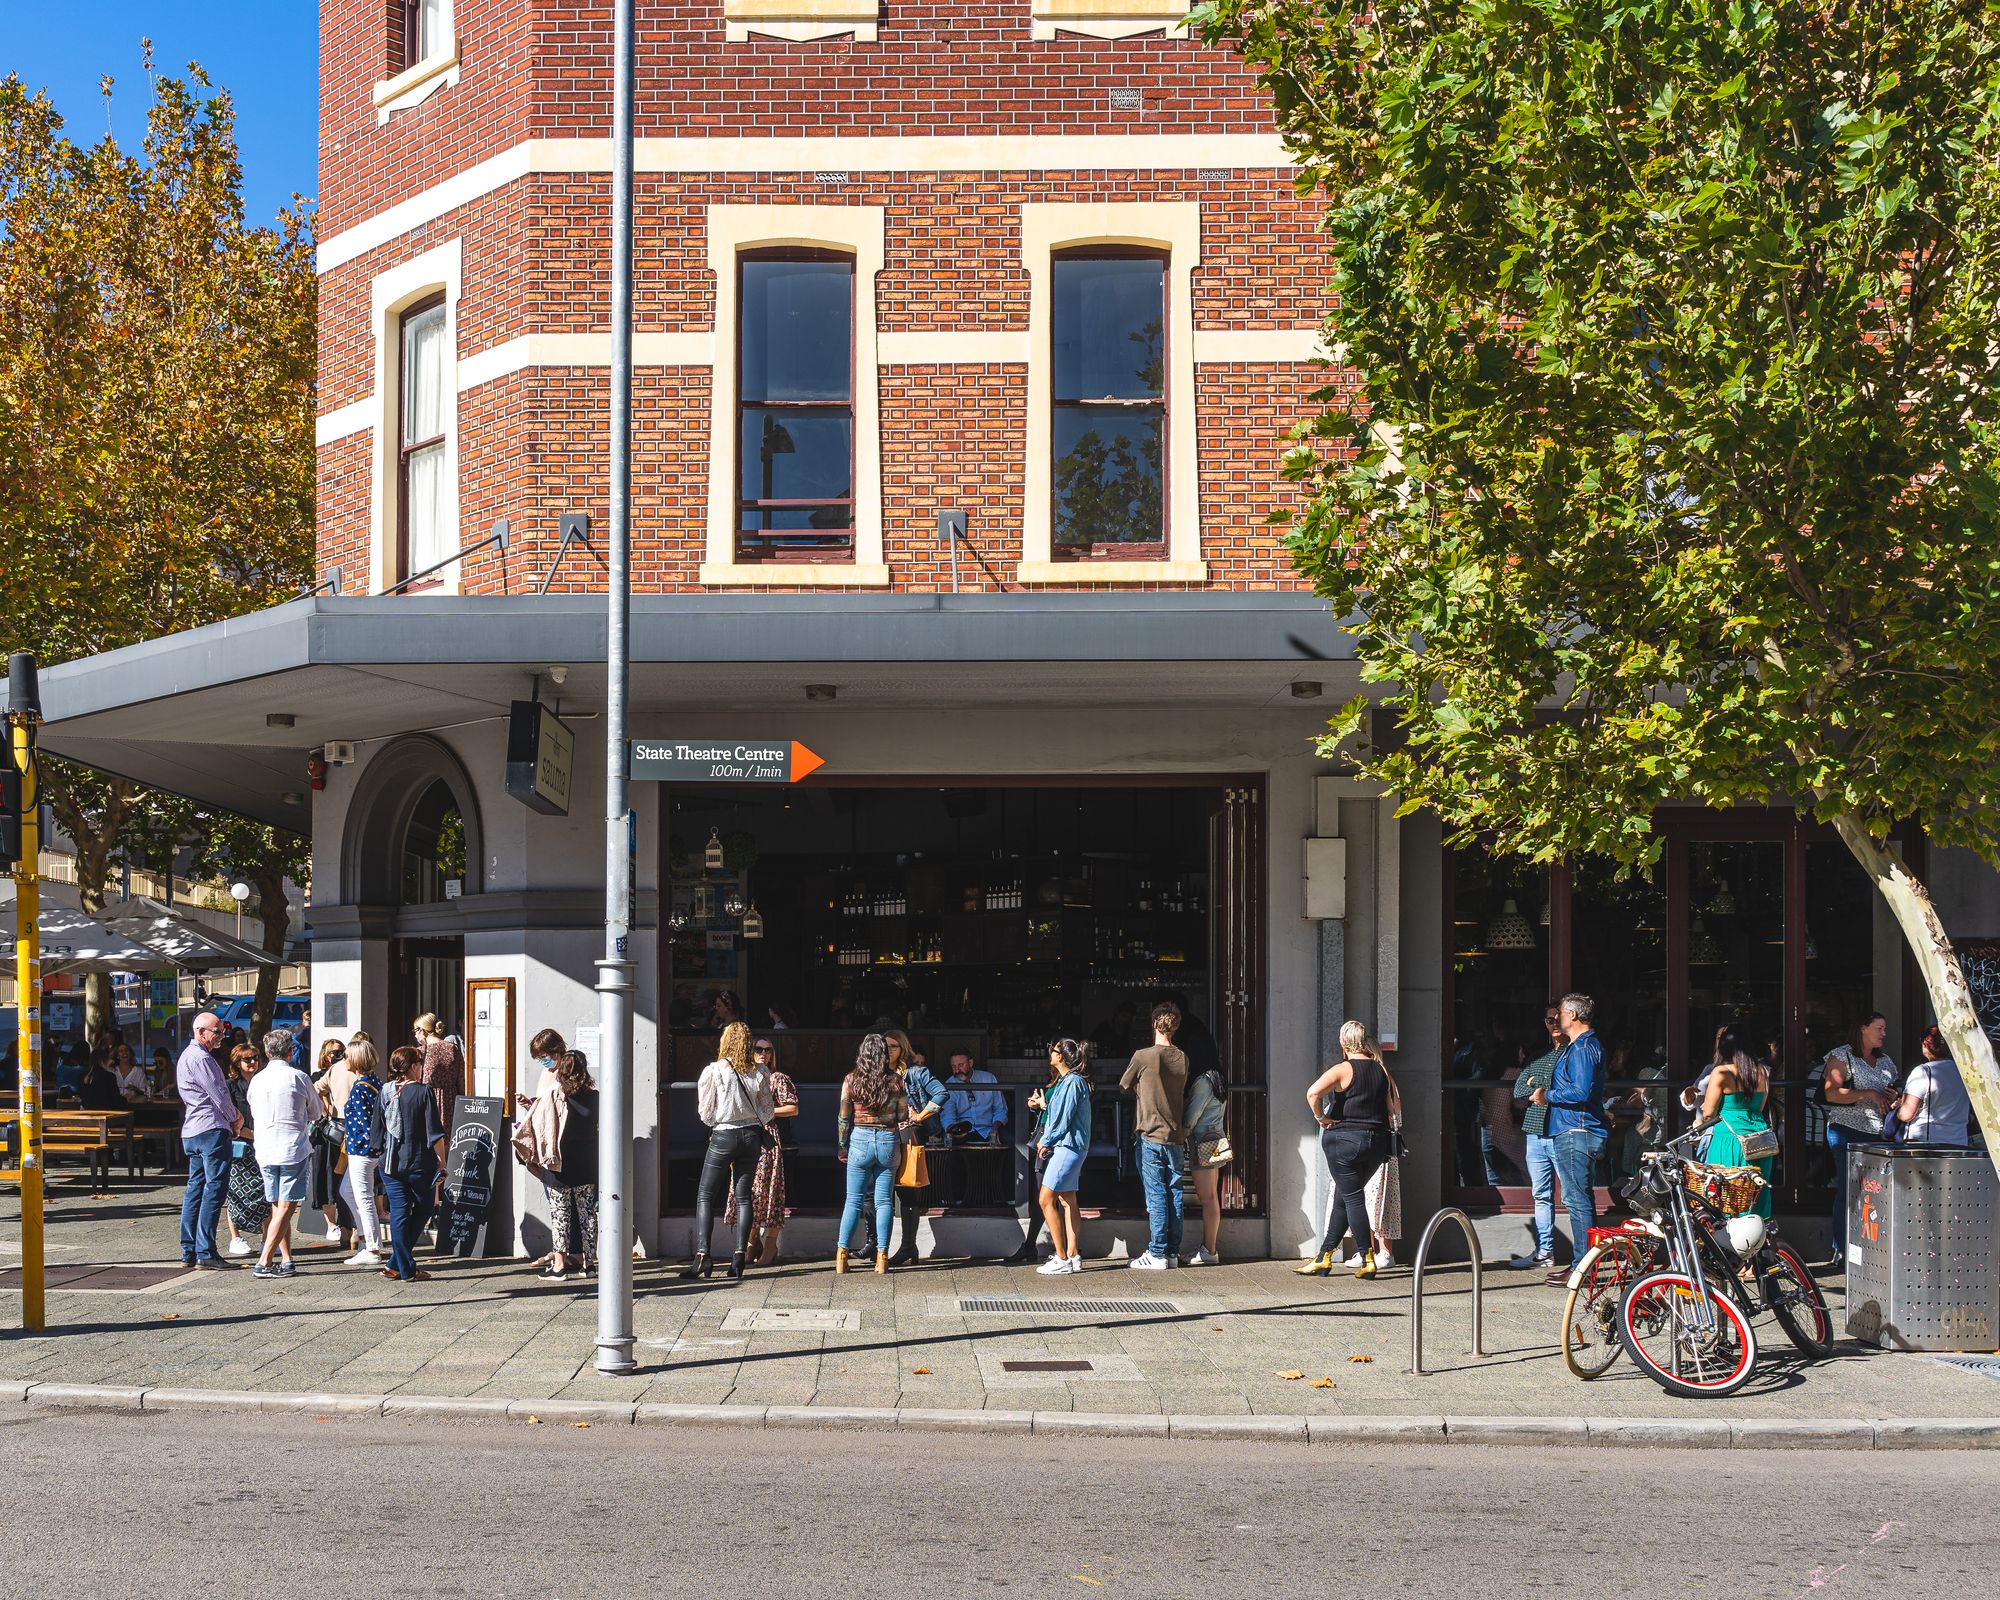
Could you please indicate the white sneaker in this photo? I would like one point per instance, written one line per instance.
(1052, 1266)
(1074, 1264)
(239, 1247)
(365, 1258)
(1352, 1262)
(1385, 1259)
(333, 1236)
(1202, 1257)
(1146, 1261)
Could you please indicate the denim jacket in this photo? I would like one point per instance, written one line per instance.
(1203, 1114)
(1066, 1121)
(922, 1087)
(1576, 1094)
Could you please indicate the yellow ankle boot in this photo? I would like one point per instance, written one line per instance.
(1318, 1267)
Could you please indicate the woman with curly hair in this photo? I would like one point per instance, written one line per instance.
(873, 1108)
(733, 1096)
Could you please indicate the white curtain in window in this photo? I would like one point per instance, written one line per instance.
(430, 539)
(433, 23)
(423, 375)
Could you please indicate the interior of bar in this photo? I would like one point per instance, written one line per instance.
(982, 921)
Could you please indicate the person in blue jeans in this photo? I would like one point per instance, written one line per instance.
(1541, 1149)
(413, 1152)
(1157, 1080)
(872, 1108)
(209, 1124)
(1577, 1129)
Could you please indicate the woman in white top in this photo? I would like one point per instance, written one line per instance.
(1935, 1109)
(1860, 1090)
(131, 1076)
(733, 1096)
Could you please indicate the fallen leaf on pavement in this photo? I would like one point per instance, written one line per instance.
(579, 1424)
(1322, 1383)
(1290, 1375)
(921, 1372)
(1360, 1358)
(1095, 1583)
(534, 1422)
(170, 1316)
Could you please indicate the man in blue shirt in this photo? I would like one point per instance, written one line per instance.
(1576, 1128)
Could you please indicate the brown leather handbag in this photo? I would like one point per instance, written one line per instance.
(913, 1166)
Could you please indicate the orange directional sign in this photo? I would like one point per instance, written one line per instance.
(720, 760)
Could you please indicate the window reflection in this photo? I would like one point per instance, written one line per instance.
(795, 429)
(1109, 403)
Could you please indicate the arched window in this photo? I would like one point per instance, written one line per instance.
(433, 847)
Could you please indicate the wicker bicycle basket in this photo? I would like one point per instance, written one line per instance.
(1732, 1190)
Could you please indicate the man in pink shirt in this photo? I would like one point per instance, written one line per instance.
(209, 1124)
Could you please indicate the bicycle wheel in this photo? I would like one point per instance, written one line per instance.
(1590, 1315)
(1795, 1299)
(1653, 1323)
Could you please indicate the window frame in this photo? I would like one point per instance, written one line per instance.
(858, 231)
(818, 253)
(405, 448)
(416, 68)
(392, 293)
(1168, 227)
(1142, 549)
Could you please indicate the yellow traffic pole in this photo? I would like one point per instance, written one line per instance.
(28, 985)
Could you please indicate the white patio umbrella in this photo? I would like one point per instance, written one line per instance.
(182, 941)
(75, 942)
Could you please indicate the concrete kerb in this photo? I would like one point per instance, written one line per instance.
(1741, 1433)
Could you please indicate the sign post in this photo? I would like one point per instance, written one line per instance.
(24, 712)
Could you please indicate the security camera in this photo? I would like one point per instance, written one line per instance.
(558, 676)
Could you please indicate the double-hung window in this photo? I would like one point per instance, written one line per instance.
(795, 406)
(1108, 407)
(426, 30)
(424, 535)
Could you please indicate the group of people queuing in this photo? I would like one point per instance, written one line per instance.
(358, 1139)
(890, 1102)
(1568, 1114)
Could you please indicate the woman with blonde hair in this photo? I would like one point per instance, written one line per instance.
(443, 1070)
(364, 1137)
(1353, 1102)
(334, 1080)
(733, 1096)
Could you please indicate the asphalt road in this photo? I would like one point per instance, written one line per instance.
(271, 1507)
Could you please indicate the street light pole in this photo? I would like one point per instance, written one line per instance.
(24, 713)
(614, 973)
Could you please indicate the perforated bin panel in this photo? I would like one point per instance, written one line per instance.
(1923, 1252)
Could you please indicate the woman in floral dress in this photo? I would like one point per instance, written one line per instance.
(767, 1188)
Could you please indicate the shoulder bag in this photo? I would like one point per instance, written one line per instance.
(913, 1167)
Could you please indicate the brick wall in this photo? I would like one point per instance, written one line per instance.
(536, 253)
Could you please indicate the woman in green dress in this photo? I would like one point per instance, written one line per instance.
(1737, 1091)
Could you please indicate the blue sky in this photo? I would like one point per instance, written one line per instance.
(263, 51)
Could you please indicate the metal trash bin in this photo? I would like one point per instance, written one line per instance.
(1923, 1248)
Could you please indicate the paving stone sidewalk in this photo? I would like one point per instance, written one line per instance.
(1218, 1346)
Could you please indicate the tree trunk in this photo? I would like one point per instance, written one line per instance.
(1951, 999)
(96, 839)
(275, 913)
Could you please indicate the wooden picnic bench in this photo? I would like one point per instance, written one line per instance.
(86, 1133)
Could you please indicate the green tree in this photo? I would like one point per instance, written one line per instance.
(1676, 473)
(156, 402)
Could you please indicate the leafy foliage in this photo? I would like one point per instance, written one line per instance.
(1676, 325)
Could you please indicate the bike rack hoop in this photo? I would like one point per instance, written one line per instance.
(1448, 1214)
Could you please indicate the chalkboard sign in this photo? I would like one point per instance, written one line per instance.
(471, 1175)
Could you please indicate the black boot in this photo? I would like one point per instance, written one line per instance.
(735, 1267)
(700, 1267)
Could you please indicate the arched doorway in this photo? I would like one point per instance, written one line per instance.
(427, 972)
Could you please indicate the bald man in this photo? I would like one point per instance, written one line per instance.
(209, 1125)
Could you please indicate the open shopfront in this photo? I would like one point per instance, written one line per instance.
(983, 918)
(1753, 917)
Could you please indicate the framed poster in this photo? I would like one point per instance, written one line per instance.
(489, 1014)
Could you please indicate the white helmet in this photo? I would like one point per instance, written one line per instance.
(1745, 1234)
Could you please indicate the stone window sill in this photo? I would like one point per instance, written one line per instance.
(416, 84)
(1081, 572)
(795, 574)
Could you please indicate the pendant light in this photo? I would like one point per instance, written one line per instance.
(1510, 930)
(733, 903)
(1724, 903)
(704, 902)
(753, 923)
(1704, 950)
(713, 857)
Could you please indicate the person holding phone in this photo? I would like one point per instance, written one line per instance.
(413, 1159)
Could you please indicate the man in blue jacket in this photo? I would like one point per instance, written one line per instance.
(1577, 1129)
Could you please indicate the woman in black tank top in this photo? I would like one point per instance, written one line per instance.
(1352, 1101)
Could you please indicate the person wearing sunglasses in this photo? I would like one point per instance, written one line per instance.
(767, 1185)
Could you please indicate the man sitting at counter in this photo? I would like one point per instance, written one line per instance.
(971, 1114)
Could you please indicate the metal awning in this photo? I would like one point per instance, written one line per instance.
(190, 712)
(190, 945)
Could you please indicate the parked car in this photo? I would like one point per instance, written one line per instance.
(234, 1009)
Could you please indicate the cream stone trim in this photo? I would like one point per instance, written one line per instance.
(343, 420)
(390, 294)
(923, 153)
(414, 85)
(581, 350)
(1263, 346)
(858, 230)
(803, 20)
(1170, 225)
(949, 347)
(1106, 19)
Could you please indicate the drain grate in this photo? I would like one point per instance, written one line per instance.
(986, 1304)
(1985, 1366)
(82, 1279)
(1045, 1366)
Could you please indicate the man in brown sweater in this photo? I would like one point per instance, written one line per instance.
(1157, 1078)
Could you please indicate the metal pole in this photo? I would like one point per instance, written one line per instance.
(614, 972)
(23, 712)
(1449, 1214)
